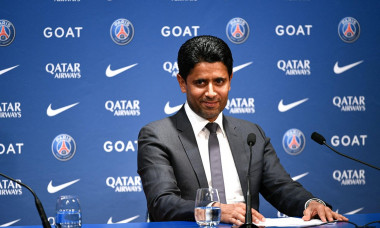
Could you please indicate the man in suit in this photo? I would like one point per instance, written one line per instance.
(173, 156)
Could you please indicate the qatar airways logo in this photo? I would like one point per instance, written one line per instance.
(172, 68)
(241, 105)
(350, 103)
(11, 148)
(60, 32)
(350, 177)
(10, 188)
(178, 31)
(64, 70)
(120, 146)
(294, 67)
(10, 110)
(125, 184)
(346, 140)
(123, 107)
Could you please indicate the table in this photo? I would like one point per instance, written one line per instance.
(359, 219)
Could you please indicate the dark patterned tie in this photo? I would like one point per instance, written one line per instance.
(216, 161)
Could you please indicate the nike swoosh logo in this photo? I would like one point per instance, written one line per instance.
(123, 221)
(296, 178)
(112, 73)
(53, 189)
(170, 110)
(284, 108)
(53, 112)
(241, 67)
(10, 223)
(8, 69)
(354, 211)
(339, 70)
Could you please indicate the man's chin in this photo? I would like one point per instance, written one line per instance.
(210, 115)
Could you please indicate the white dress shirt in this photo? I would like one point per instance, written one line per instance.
(233, 190)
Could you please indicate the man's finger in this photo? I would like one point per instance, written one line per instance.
(237, 220)
(241, 218)
(322, 214)
(339, 217)
(257, 217)
(329, 216)
(306, 215)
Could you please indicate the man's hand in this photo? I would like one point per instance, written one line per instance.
(324, 213)
(235, 213)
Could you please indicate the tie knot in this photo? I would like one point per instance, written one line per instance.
(212, 127)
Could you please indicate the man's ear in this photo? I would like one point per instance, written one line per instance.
(182, 83)
(230, 81)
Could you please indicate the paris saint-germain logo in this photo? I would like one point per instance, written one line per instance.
(63, 147)
(237, 30)
(349, 29)
(122, 31)
(7, 32)
(293, 141)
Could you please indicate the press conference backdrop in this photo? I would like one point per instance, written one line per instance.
(78, 79)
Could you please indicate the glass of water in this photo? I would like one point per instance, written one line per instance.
(205, 214)
(68, 212)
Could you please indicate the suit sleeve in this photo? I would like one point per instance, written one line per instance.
(159, 182)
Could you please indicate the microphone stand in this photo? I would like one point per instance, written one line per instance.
(40, 209)
(318, 138)
(372, 166)
(248, 210)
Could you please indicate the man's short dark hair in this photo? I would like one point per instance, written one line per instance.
(203, 49)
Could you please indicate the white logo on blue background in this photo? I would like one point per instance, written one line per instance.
(7, 32)
(122, 31)
(349, 29)
(293, 141)
(237, 30)
(63, 147)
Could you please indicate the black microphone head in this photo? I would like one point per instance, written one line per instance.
(251, 139)
(318, 138)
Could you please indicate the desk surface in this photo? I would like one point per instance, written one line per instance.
(358, 219)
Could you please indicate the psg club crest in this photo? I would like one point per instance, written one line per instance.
(293, 141)
(122, 31)
(349, 29)
(63, 147)
(237, 30)
(7, 32)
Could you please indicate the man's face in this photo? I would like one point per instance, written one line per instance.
(206, 88)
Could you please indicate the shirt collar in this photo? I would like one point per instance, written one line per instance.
(198, 123)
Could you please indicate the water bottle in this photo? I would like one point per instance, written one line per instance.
(68, 212)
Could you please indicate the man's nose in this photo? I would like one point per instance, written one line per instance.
(210, 90)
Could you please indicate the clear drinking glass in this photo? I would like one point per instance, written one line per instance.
(205, 214)
(68, 212)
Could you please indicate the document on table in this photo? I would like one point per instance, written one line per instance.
(286, 222)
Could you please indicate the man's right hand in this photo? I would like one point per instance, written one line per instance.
(235, 213)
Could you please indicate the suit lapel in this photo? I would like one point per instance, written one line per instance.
(189, 143)
(237, 145)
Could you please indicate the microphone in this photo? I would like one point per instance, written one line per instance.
(40, 209)
(251, 140)
(321, 140)
(318, 138)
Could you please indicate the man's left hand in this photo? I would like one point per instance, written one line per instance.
(324, 213)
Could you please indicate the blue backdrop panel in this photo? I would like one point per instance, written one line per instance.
(55, 54)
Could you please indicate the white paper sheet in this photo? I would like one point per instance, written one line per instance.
(290, 221)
